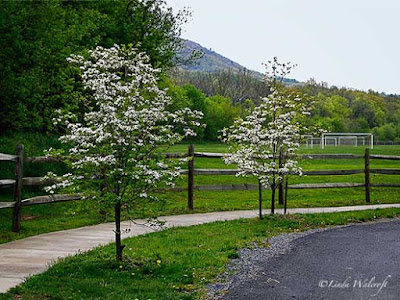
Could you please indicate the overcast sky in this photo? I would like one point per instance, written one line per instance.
(352, 43)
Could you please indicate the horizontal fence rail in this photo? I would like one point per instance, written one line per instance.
(388, 157)
(386, 171)
(50, 159)
(42, 200)
(7, 182)
(45, 159)
(307, 173)
(251, 187)
(20, 181)
(304, 156)
(8, 157)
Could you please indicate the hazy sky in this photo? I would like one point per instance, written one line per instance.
(353, 43)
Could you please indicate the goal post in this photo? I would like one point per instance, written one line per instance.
(338, 137)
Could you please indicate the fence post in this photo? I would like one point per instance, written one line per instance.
(367, 177)
(280, 196)
(190, 176)
(16, 219)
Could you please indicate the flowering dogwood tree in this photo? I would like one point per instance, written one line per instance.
(115, 150)
(274, 127)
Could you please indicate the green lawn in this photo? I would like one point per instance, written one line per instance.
(57, 216)
(176, 263)
(223, 148)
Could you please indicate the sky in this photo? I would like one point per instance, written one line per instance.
(351, 43)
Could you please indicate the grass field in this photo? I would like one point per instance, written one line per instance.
(173, 264)
(57, 216)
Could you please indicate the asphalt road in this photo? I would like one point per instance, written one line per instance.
(359, 262)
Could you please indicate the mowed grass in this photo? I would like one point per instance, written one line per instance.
(58, 216)
(173, 264)
(223, 148)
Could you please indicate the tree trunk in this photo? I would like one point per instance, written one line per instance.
(286, 189)
(190, 176)
(260, 198)
(102, 211)
(280, 196)
(273, 188)
(119, 246)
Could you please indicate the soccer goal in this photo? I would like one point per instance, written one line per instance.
(341, 139)
(311, 141)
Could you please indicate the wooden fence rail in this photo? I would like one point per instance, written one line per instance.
(42, 200)
(306, 156)
(19, 181)
(308, 173)
(8, 157)
(45, 159)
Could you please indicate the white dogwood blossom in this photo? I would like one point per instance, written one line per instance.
(117, 143)
(274, 126)
(115, 150)
(257, 139)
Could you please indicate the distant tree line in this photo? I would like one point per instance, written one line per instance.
(348, 110)
(236, 85)
(336, 109)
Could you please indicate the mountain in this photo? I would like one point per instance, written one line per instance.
(211, 61)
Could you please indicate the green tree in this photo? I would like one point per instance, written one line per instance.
(386, 132)
(198, 102)
(220, 114)
(38, 36)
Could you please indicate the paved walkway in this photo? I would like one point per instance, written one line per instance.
(33, 255)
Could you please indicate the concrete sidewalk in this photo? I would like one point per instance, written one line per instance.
(33, 255)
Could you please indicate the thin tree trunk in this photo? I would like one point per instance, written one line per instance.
(260, 198)
(190, 176)
(286, 189)
(280, 196)
(119, 246)
(273, 188)
(102, 211)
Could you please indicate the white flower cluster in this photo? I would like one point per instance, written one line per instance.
(117, 139)
(60, 182)
(257, 140)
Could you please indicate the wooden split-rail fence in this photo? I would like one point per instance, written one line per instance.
(19, 181)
